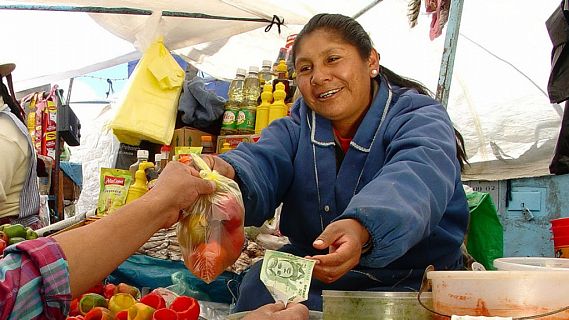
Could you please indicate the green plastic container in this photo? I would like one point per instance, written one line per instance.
(363, 305)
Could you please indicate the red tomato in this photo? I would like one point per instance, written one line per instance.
(154, 300)
(109, 290)
(186, 307)
(122, 315)
(126, 288)
(74, 309)
(233, 210)
(99, 313)
(207, 261)
(98, 289)
(2, 246)
(4, 236)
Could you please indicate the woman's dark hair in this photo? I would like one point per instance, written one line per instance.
(353, 33)
(9, 100)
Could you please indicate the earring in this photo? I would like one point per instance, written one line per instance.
(374, 73)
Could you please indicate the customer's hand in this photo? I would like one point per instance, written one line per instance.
(277, 311)
(344, 239)
(177, 188)
(219, 165)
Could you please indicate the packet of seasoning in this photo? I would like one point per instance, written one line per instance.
(114, 184)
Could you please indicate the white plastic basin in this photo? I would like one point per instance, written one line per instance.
(500, 293)
(531, 264)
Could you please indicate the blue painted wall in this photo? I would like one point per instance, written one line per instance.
(532, 238)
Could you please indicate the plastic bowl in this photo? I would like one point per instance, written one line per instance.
(500, 293)
(531, 264)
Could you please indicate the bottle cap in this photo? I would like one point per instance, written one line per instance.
(157, 157)
(267, 63)
(241, 72)
(142, 154)
(254, 69)
(281, 67)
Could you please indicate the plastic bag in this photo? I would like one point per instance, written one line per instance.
(147, 110)
(211, 235)
(485, 241)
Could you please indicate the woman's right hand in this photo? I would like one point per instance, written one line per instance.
(219, 165)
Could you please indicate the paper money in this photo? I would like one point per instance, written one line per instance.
(286, 276)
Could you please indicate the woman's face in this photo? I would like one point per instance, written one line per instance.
(333, 78)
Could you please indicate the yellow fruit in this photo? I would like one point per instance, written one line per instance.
(193, 230)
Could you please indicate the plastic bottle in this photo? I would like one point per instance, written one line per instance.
(278, 108)
(207, 144)
(235, 98)
(282, 77)
(262, 120)
(139, 187)
(266, 75)
(248, 108)
(157, 162)
(141, 156)
(226, 147)
(165, 154)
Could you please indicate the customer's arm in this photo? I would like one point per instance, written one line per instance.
(95, 250)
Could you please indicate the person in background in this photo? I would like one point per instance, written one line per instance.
(367, 166)
(19, 194)
(38, 278)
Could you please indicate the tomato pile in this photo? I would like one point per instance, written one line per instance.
(124, 302)
(14, 233)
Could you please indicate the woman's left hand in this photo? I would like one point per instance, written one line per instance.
(344, 239)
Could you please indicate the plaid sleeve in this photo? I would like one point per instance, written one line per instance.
(34, 281)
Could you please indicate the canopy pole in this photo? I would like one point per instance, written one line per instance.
(449, 52)
(132, 11)
(366, 9)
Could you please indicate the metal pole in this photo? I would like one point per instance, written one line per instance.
(133, 11)
(451, 41)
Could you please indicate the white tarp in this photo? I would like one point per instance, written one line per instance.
(497, 98)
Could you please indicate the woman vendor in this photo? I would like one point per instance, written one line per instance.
(367, 167)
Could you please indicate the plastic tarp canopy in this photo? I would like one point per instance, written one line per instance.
(497, 100)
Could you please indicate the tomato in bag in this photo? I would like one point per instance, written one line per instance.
(211, 234)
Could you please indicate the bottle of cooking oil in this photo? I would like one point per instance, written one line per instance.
(247, 111)
(265, 75)
(234, 101)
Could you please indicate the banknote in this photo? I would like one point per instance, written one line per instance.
(286, 276)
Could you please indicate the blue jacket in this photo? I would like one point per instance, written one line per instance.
(400, 178)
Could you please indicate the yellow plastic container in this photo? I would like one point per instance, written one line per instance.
(140, 185)
(262, 120)
(278, 108)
